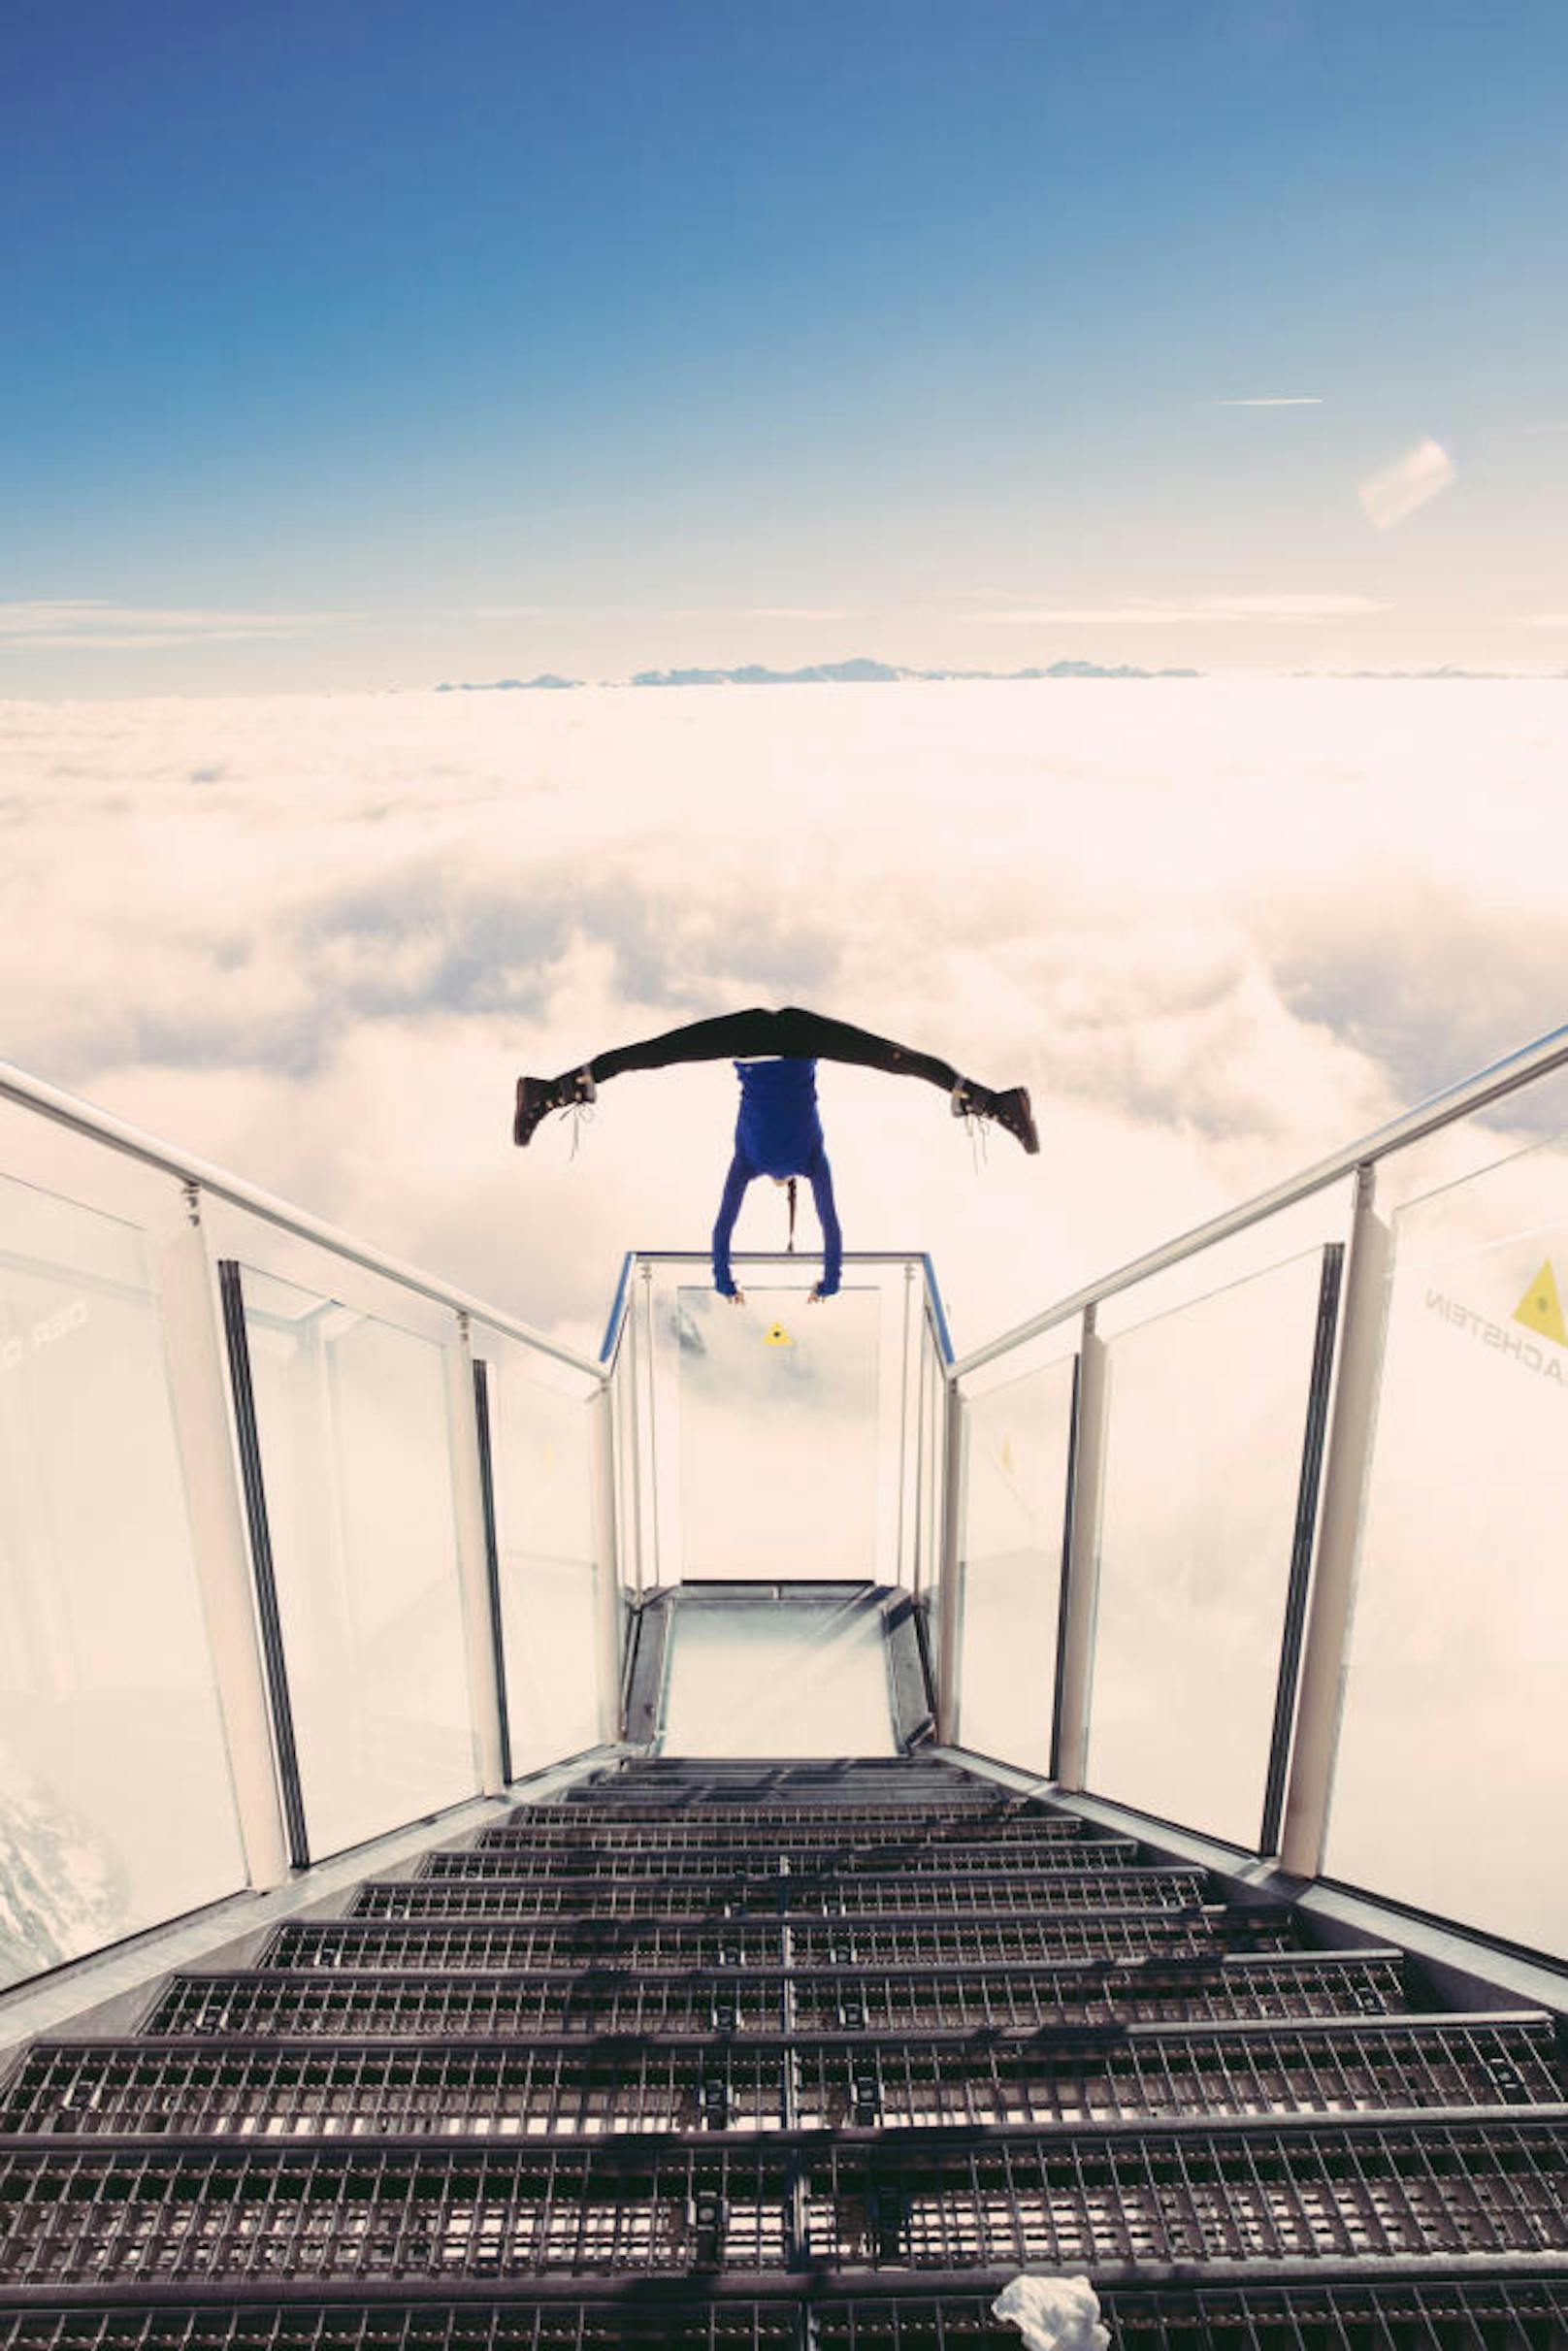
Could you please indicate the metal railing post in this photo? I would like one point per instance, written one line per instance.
(607, 1563)
(1076, 1664)
(949, 1569)
(480, 1629)
(216, 1504)
(1344, 1493)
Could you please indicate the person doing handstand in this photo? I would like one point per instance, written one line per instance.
(778, 1132)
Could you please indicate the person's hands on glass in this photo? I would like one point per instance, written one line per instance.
(737, 1297)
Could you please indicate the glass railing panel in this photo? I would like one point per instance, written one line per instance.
(1018, 1450)
(770, 1426)
(1451, 1787)
(356, 1461)
(1206, 1423)
(541, 1472)
(115, 1806)
(717, 1428)
(797, 1673)
(778, 1433)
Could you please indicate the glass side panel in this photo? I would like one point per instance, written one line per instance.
(1207, 1420)
(1018, 1438)
(541, 1464)
(116, 1805)
(778, 1441)
(1450, 1788)
(357, 1459)
(791, 1675)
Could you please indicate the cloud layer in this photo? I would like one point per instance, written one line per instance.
(1219, 928)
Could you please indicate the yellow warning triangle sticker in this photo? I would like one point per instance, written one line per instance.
(1541, 1309)
(775, 1335)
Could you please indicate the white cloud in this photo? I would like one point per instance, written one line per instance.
(1212, 925)
(1154, 613)
(88, 624)
(1402, 489)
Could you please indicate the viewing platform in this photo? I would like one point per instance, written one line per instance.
(763, 1833)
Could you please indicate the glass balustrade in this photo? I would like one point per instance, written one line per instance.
(116, 1803)
(778, 1461)
(781, 1437)
(1452, 1783)
(540, 1447)
(1207, 1417)
(355, 1449)
(1018, 1441)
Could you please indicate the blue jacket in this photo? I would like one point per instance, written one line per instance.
(778, 1133)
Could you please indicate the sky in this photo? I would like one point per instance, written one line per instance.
(360, 347)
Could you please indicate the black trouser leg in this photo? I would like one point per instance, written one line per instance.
(794, 1034)
(730, 1034)
(812, 1036)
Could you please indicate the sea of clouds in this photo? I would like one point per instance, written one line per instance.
(1218, 927)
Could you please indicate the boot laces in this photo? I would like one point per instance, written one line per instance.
(581, 1115)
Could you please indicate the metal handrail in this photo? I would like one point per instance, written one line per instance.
(101, 1127)
(610, 1350)
(1488, 1084)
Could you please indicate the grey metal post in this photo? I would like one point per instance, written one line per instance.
(901, 1572)
(198, 1390)
(607, 1563)
(949, 1569)
(1077, 1661)
(1344, 1494)
(474, 1561)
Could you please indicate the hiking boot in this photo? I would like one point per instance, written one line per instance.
(536, 1097)
(1012, 1111)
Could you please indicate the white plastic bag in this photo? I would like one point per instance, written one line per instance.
(1053, 2313)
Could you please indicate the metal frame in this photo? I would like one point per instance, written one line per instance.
(1065, 1576)
(215, 1506)
(1345, 1486)
(479, 1590)
(629, 1367)
(1490, 1085)
(1336, 1461)
(1075, 1648)
(242, 1395)
(1306, 1528)
(492, 1555)
(84, 1118)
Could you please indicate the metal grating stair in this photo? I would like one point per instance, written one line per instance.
(809, 2055)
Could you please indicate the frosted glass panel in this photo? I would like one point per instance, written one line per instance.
(355, 1454)
(1207, 1420)
(1451, 1789)
(779, 1465)
(541, 1464)
(115, 1806)
(1019, 1439)
(793, 1675)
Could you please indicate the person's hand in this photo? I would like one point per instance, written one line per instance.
(817, 1295)
(737, 1297)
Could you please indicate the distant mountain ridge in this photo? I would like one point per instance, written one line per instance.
(545, 682)
(857, 673)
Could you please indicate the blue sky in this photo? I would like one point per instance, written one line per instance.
(370, 343)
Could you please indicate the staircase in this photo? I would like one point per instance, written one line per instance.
(743, 2054)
